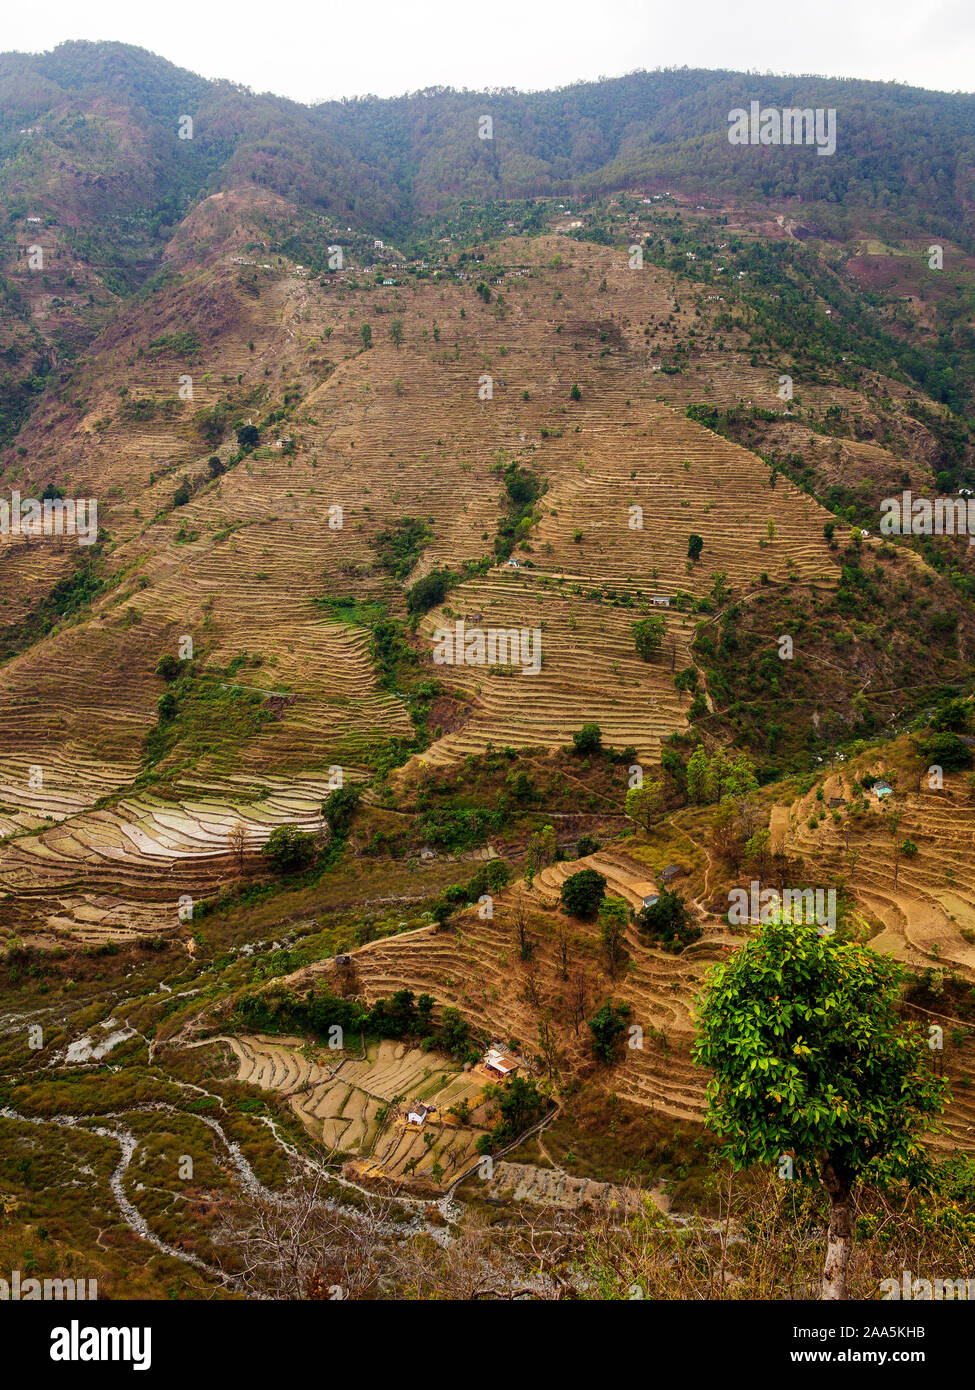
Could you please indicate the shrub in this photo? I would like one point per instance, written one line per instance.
(166, 707)
(588, 739)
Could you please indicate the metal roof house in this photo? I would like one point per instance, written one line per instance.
(671, 872)
(499, 1063)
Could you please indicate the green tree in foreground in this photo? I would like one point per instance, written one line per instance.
(812, 1063)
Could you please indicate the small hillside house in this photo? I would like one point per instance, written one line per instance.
(671, 872)
(881, 789)
(650, 899)
(418, 1113)
(499, 1064)
(661, 601)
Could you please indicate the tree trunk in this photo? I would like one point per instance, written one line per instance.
(840, 1241)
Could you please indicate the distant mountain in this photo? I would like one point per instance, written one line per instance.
(90, 130)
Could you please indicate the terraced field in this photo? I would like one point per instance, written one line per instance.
(477, 971)
(356, 1105)
(378, 433)
(928, 916)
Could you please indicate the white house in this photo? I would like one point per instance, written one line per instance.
(418, 1113)
(661, 601)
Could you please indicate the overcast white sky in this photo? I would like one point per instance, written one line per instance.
(313, 49)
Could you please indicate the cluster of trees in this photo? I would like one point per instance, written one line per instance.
(429, 591)
(399, 546)
(947, 751)
(289, 850)
(588, 741)
(400, 1015)
(522, 489)
(709, 779)
(460, 827)
(519, 1105)
(489, 878)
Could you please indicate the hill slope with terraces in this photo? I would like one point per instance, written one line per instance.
(239, 568)
(338, 396)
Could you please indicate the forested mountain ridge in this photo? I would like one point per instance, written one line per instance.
(107, 114)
